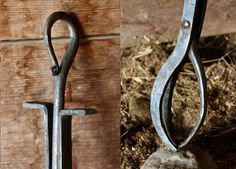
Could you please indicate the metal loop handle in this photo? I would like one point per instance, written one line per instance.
(161, 97)
(74, 40)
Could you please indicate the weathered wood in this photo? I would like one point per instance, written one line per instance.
(93, 82)
(25, 19)
(160, 19)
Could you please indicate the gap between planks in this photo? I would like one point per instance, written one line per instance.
(62, 39)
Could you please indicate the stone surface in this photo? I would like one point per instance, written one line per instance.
(191, 158)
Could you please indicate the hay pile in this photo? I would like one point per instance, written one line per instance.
(140, 65)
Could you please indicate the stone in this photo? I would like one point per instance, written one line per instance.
(192, 157)
(139, 109)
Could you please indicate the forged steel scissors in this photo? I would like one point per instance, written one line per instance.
(57, 120)
(161, 97)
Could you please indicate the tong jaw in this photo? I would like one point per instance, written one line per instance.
(47, 110)
(162, 92)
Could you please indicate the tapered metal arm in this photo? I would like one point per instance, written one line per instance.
(162, 92)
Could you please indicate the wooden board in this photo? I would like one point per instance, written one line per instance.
(160, 19)
(25, 19)
(93, 82)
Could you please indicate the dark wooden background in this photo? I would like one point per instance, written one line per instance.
(160, 19)
(93, 82)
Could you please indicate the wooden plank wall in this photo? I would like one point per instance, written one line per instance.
(23, 19)
(93, 82)
(160, 19)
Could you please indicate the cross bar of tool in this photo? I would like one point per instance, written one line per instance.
(57, 119)
(162, 92)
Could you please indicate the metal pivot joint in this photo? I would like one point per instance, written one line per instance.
(161, 97)
(57, 119)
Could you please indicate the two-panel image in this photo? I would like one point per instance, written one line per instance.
(117, 84)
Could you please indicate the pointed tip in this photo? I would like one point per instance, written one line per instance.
(90, 111)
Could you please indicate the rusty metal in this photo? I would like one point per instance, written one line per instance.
(57, 120)
(161, 97)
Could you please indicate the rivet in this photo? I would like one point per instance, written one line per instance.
(186, 24)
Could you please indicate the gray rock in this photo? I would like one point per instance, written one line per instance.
(191, 158)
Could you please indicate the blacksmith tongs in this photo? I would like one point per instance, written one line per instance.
(57, 120)
(161, 97)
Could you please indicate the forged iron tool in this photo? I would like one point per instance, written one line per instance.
(57, 120)
(161, 97)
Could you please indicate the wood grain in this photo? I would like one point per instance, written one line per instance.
(160, 19)
(25, 19)
(93, 82)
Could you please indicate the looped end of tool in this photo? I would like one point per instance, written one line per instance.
(73, 46)
(162, 92)
(161, 100)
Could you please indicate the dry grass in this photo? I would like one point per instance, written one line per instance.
(140, 65)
